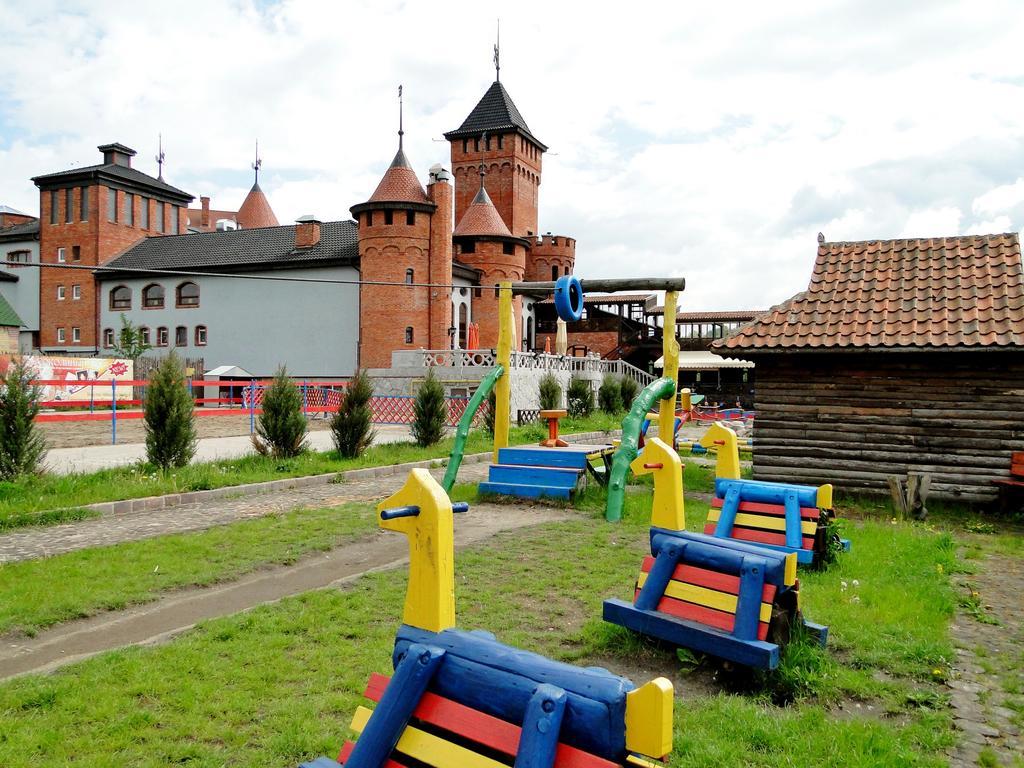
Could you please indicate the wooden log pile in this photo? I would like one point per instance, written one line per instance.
(854, 419)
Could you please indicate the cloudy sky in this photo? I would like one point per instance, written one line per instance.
(710, 140)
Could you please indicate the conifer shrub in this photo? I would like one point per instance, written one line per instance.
(609, 396)
(351, 426)
(581, 398)
(167, 415)
(629, 390)
(550, 392)
(21, 442)
(430, 412)
(281, 428)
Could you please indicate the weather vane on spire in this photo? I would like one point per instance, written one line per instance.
(401, 133)
(497, 54)
(160, 158)
(258, 164)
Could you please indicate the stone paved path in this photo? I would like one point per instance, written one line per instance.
(112, 529)
(981, 701)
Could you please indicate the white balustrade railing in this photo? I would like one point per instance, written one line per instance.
(486, 358)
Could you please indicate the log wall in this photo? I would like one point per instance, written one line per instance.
(853, 419)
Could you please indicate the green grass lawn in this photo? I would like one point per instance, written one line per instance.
(278, 685)
(47, 499)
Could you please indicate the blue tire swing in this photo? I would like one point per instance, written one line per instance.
(569, 298)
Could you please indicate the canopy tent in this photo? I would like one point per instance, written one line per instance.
(704, 361)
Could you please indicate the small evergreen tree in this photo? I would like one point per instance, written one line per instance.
(550, 392)
(281, 428)
(609, 396)
(167, 413)
(581, 398)
(21, 443)
(492, 406)
(430, 413)
(350, 426)
(628, 389)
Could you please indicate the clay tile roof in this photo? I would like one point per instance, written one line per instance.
(399, 184)
(256, 210)
(482, 218)
(939, 293)
(727, 315)
(495, 113)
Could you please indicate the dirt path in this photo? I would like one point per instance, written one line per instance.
(989, 668)
(181, 610)
(112, 529)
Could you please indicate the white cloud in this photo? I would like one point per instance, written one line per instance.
(712, 141)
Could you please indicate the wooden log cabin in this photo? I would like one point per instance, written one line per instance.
(901, 356)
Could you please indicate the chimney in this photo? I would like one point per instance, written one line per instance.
(307, 231)
(204, 217)
(117, 154)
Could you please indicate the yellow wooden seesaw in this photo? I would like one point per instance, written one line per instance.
(461, 699)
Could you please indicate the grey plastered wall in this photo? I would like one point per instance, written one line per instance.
(24, 294)
(313, 328)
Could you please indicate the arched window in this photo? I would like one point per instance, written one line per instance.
(162, 337)
(121, 297)
(181, 336)
(108, 337)
(567, 270)
(187, 295)
(463, 324)
(409, 275)
(554, 272)
(200, 335)
(144, 331)
(408, 334)
(153, 296)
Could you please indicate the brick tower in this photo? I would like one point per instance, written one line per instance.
(87, 216)
(484, 242)
(405, 237)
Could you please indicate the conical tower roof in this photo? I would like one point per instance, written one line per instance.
(482, 218)
(494, 113)
(399, 184)
(256, 210)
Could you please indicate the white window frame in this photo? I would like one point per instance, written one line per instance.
(60, 255)
(76, 335)
(60, 336)
(76, 292)
(61, 293)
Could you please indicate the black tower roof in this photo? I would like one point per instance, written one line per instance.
(494, 113)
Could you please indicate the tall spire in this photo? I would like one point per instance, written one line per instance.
(160, 158)
(257, 165)
(401, 133)
(497, 55)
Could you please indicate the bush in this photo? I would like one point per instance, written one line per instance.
(167, 413)
(609, 396)
(350, 426)
(581, 398)
(21, 443)
(550, 392)
(281, 428)
(628, 390)
(430, 413)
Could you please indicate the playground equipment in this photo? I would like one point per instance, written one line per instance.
(713, 439)
(728, 599)
(556, 470)
(796, 519)
(462, 699)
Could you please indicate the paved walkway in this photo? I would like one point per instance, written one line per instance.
(112, 529)
(63, 461)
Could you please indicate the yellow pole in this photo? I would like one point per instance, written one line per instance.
(670, 351)
(503, 387)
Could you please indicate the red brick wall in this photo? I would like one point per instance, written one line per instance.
(99, 240)
(547, 252)
(385, 311)
(512, 180)
(601, 342)
(497, 267)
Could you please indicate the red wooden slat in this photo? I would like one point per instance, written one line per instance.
(702, 577)
(761, 537)
(703, 615)
(492, 732)
(807, 513)
(1017, 470)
